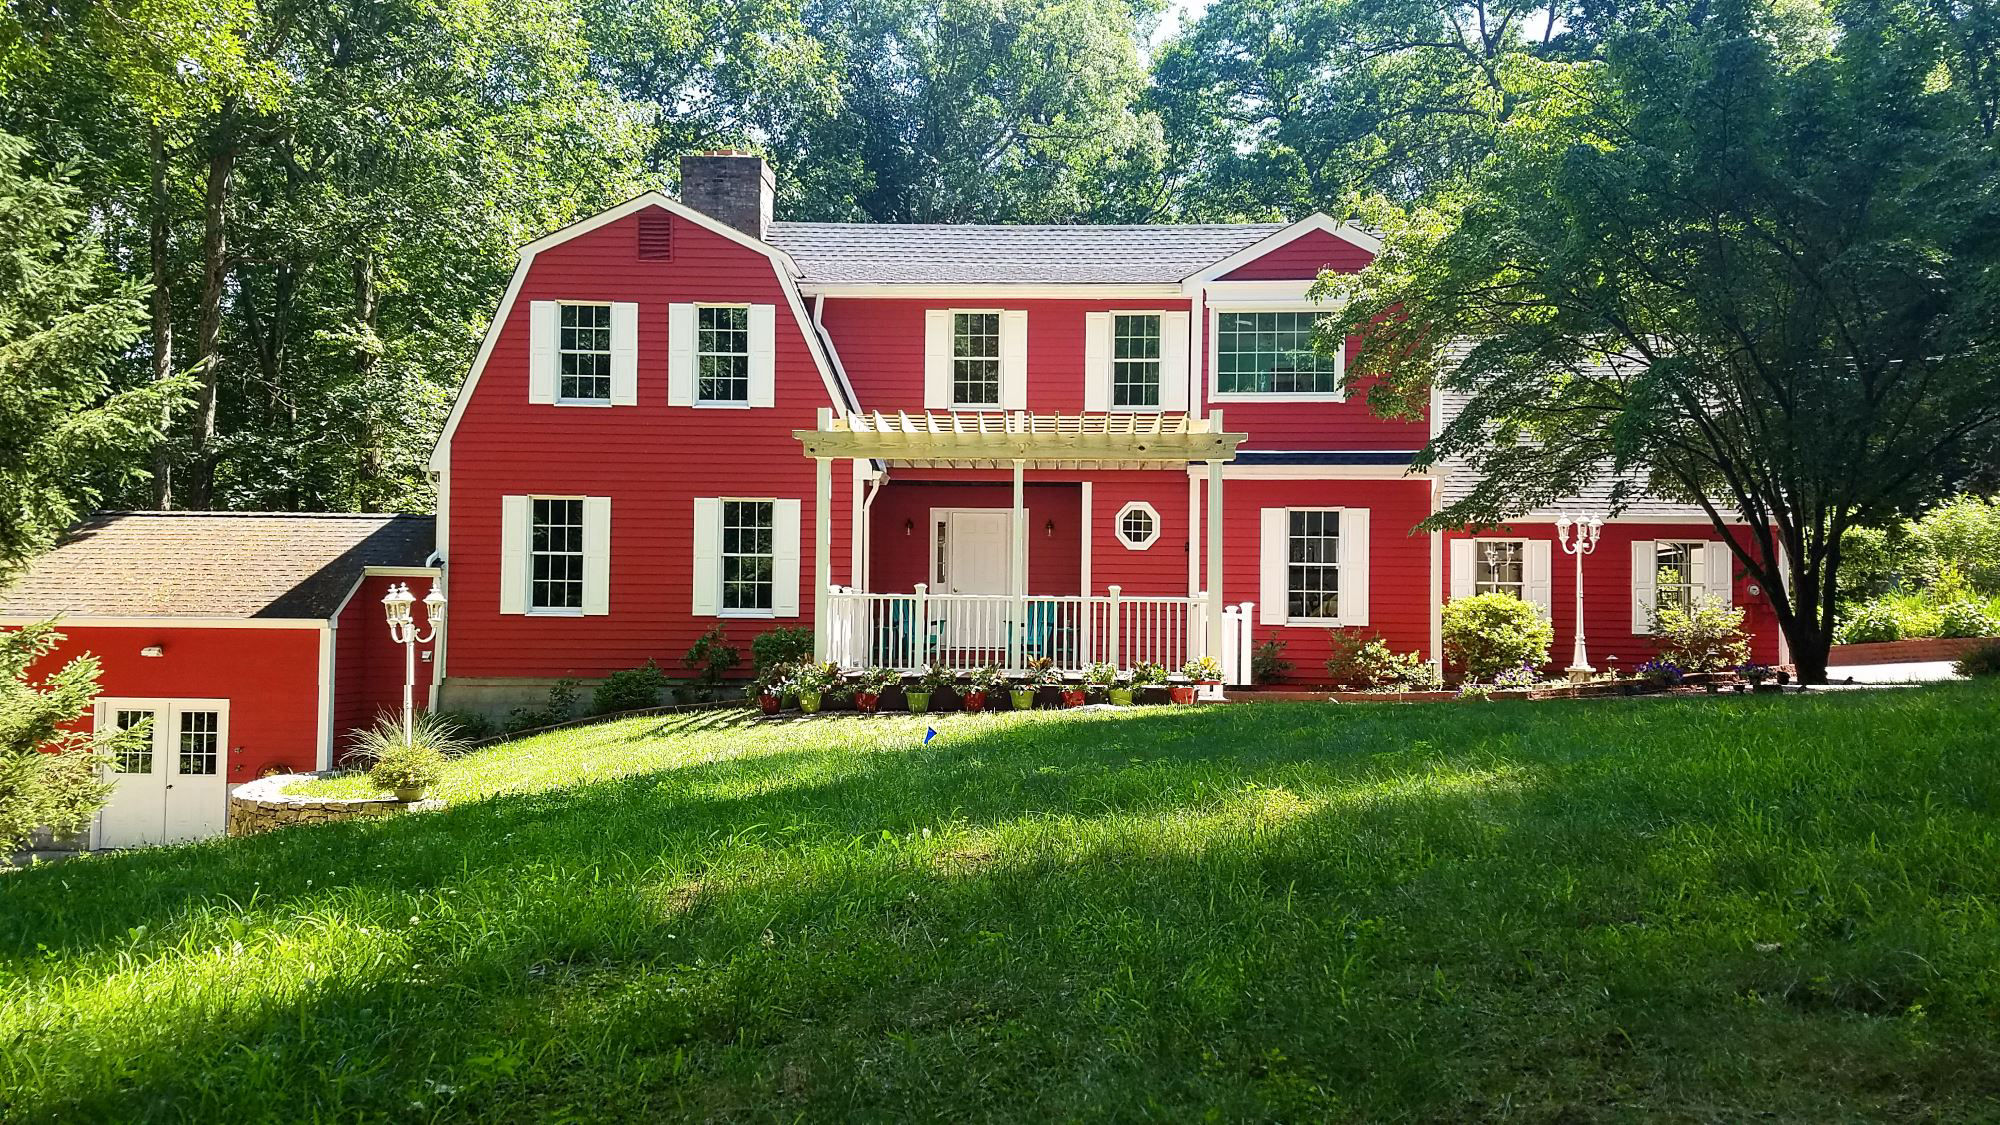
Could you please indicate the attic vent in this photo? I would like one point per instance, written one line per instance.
(656, 235)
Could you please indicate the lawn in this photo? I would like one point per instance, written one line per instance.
(1692, 909)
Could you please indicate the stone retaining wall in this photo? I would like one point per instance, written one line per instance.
(262, 805)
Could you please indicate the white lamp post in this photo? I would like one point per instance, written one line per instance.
(396, 605)
(1587, 531)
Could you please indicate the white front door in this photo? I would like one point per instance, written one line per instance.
(973, 556)
(173, 787)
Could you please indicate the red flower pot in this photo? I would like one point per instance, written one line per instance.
(865, 701)
(1183, 695)
(768, 704)
(1072, 697)
(974, 700)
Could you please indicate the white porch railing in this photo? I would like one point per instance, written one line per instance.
(909, 632)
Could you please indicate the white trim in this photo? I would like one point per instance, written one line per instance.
(1279, 294)
(1084, 510)
(786, 270)
(168, 622)
(994, 290)
(1437, 597)
(323, 753)
(1118, 525)
(1194, 533)
(1354, 542)
(1317, 221)
(1233, 471)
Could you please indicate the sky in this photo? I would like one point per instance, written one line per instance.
(1177, 13)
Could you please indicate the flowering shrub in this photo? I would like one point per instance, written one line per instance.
(1515, 679)
(1662, 671)
(1755, 673)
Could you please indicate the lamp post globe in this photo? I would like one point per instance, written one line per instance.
(1583, 542)
(396, 606)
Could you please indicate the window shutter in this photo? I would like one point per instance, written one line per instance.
(937, 359)
(513, 554)
(680, 355)
(1353, 566)
(1174, 361)
(624, 354)
(1096, 361)
(1535, 563)
(1718, 575)
(1461, 567)
(707, 556)
(544, 333)
(1271, 572)
(763, 355)
(785, 558)
(1645, 579)
(596, 555)
(1014, 360)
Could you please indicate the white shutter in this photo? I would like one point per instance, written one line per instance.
(707, 557)
(1718, 575)
(596, 555)
(1353, 566)
(544, 333)
(513, 554)
(785, 520)
(763, 355)
(1461, 567)
(624, 354)
(937, 359)
(1535, 562)
(1645, 580)
(1096, 361)
(1271, 570)
(680, 354)
(1014, 360)
(1173, 361)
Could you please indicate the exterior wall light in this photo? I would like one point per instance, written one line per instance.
(153, 650)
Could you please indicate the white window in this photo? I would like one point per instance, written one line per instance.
(555, 555)
(1313, 566)
(722, 351)
(1270, 352)
(583, 354)
(746, 557)
(1500, 567)
(1138, 525)
(1677, 577)
(1135, 360)
(1678, 573)
(975, 359)
(748, 553)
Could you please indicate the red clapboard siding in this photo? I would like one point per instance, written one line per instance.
(269, 676)
(1399, 603)
(1304, 256)
(898, 561)
(650, 459)
(368, 664)
(1607, 593)
(1160, 570)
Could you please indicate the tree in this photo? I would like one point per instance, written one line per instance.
(1747, 267)
(50, 775)
(65, 321)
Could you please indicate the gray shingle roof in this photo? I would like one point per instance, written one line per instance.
(213, 564)
(884, 253)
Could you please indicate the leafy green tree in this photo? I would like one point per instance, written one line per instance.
(50, 773)
(65, 319)
(1747, 266)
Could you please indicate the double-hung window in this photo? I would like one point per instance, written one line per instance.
(1272, 353)
(1312, 568)
(1499, 566)
(1135, 360)
(749, 556)
(583, 354)
(975, 359)
(723, 354)
(1675, 574)
(556, 555)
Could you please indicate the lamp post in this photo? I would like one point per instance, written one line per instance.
(1585, 541)
(402, 626)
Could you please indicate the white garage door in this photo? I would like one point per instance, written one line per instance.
(173, 787)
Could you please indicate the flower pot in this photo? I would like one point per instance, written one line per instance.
(866, 702)
(768, 703)
(1022, 699)
(974, 700)
(1182, 694)
(809, 702)
(919, 701)
(1072, 697)
(409, 793)
(1121, 697)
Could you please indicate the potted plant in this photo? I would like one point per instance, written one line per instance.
(407, 771)
(1021, 692)
(1205, 671)
(812, 681)
(977, 683)
(1119, 689)
(869, 685)
(766, 690)
(1098, 678)
(1661, 673)
(1147, 676)
(937, 679)
(1045, 676)
(1756, 674)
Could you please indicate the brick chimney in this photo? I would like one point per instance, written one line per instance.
(735, 187)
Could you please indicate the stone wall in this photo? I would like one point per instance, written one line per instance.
(262, 805)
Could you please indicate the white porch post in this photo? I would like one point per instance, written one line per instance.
(822, 542)
(1215, 552)
(1017, 542)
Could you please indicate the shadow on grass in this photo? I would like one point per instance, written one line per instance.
(1277, 911)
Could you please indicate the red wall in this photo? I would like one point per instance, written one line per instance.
(368, 664)
(269, 676)
(1160, 570)
(1308, 255)
(1607, 594)
(651, 459)
(898, 562)
(1399, 597)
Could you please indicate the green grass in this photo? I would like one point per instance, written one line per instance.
(1697, 910)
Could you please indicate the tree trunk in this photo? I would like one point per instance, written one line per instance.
(163, 320)
(215, 271)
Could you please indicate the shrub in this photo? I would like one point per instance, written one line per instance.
(1966, 619)
(1365, 662)
(1962, 533)
(1488, 633)
(416, 766)
(469, 725)
(779, 647)
(1871, 624)
(1268, 664)
(629, 689)
(1981, 661)
(711, 657)
(1705, 637)
(49, 775)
